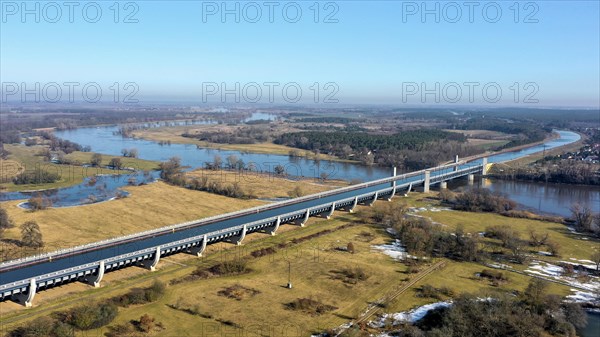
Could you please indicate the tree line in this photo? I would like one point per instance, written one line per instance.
(172, 173)
(562, 172)
(243, 135)
(534, 312)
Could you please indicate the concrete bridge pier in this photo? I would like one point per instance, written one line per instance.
(327, 215)
(238, 238)
(456, 162)
(302, 221)
(272, 229)
(199, 249)
(426, 185)
(470, 179)
(151, 264)
(443, 185)
(94, 280)
(393, 191)
(408, 190)
(27, 299)
(350, 208)
(372, 201)
(484, 168)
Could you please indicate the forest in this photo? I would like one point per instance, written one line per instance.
(415, 149)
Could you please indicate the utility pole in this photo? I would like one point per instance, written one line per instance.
(289, 285)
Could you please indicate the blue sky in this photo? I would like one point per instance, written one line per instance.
(371, 53)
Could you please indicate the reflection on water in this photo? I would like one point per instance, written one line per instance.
(93, 189)
(593, 327)
(555, 199)
(547, 198)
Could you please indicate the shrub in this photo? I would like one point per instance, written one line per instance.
(38, 202)
(310, 306)
(238, 292)
(141, 295)
(483, 200)
(146, 323)
(263, 252)
(92, 316)
(232, 267)
(351, 275)
(38, 177)
(495, 276)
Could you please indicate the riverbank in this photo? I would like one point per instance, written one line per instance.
(551, 137)
(531, 158)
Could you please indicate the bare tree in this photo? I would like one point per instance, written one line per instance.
(596, 259)
(536, 239)
(116, 163)
(217, 162)
(279, 170)
(232, 160)
(5, 221)
(296, 192)
(583, 217)
(96, 159)
(31, 234)
(133, 153)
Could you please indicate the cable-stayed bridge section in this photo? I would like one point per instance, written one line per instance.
(21, 279)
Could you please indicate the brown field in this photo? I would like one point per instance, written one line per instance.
(482, 134)
(150, 206)
(147, 207)
(268, 185)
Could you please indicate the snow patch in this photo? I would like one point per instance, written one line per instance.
(582, 296)
(394, 250)
(430, 209)
(411, 316)
(586, 263)
(554, 272)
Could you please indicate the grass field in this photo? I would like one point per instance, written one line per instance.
(314, 264)
(571, 245)
(26, 158)
(485, 139)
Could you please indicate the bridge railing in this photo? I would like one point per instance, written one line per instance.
(199, 222)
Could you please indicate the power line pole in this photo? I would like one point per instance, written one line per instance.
(289, 285)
